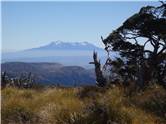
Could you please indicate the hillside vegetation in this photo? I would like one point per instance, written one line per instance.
(85, 105)
(56, 73)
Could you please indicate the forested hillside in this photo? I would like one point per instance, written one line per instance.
(50, 73)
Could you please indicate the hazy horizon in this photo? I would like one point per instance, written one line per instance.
(32, 24)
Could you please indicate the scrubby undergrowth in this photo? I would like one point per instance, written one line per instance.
(88, 105)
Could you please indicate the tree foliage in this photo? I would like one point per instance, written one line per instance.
(141, 43)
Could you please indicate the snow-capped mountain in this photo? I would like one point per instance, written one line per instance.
(67, 53)
(60, 45)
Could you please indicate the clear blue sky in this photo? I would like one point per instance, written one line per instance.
(31, 24)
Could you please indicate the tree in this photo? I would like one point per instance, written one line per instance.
(100, 80)
(141, 42)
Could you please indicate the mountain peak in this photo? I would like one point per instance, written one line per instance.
(56, 42)
(61, 45)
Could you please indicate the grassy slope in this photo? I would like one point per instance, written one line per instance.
(89, 105)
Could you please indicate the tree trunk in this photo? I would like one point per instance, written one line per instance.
(100, 80)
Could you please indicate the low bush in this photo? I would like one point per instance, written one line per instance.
(86, 105)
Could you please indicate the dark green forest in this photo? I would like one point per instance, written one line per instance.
(141, 43)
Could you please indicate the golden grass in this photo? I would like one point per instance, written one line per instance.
(65, 106)
(52, 103)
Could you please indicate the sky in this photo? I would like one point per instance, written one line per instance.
(31, 24)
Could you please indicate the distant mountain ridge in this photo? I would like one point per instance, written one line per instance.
(51, 73)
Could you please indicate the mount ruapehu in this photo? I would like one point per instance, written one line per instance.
(66, 53)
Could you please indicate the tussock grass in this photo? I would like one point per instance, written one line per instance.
(86, 105)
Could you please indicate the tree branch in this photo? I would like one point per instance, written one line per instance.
(162, 50)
